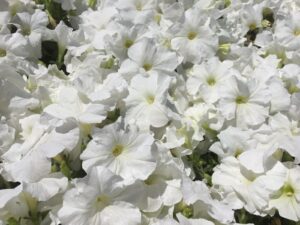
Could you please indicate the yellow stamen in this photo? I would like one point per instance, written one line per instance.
(117, 150)
(192, 35)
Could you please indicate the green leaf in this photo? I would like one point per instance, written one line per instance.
(13, 221)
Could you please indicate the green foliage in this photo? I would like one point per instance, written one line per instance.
(60, 163)
(92, 3)
(55, 12)
(268, 15)
(184, 209)
(112, 116)
(12, 221)
(51, 53)
(203, 165)
(286, 157)
(243, 217)
(4, 184)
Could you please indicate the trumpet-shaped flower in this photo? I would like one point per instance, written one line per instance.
(205, 79)
(193, 38)
(287, 199)
(147, 101)
(147, 58)
(125, 152)
(98, 199)
(245, 102)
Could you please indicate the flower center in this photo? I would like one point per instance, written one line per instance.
(128, 43)
(102, 198)
(252, 26)
(241, 100)
(151, 180)
(237, 152)
(147, 66)
(138, 6)
(2, 52)
(117, 150)
(192, 35)
(186, 210)
(157, 18)
(292, 89)
(211, 81)
(297, 32)
(102, 201)
(26, 31)
(288, 190)
(227, 3)
(150, 99)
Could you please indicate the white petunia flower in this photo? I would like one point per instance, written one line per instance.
(124, 39)
(287, 199)
(7, 136)
(287, 31)
(32, 28)
(13, 203)
(205, 79)
(149, 112)
(251, 17)
(147, 101)
(245, 102)
(232, 142)
(69, 103)
(125, 152)
(35, 23)
(98, 199)
(147, 58)
(287, 133)
(136, 11)
(193, 38)
(15, 100)
(47, 187)
(38, 143)
(161, 188)
(204, 119)
(290, 76)
(242, 188)
(198, 200)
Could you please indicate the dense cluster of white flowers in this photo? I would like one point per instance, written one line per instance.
(149, 112)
